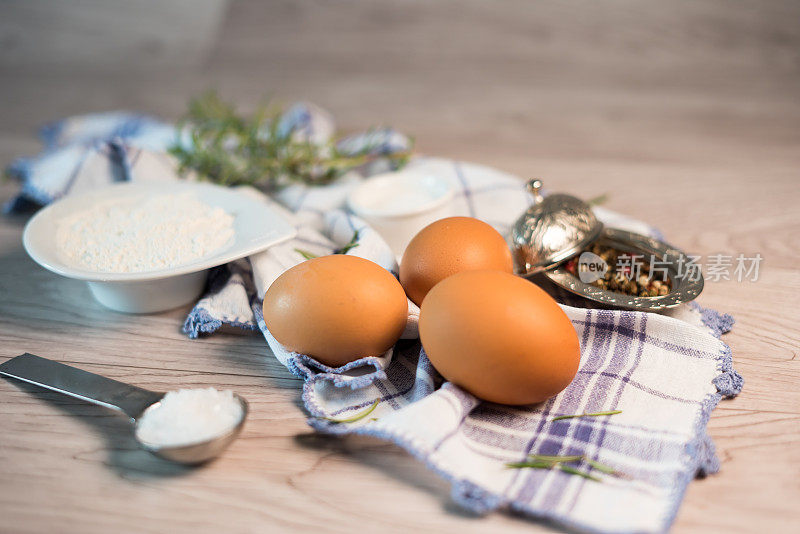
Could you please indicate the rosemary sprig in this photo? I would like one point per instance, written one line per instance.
(353, 243)
(603, 468)
(306, 254)
(357, 417)
(532, 464)
(555, 459)
(232, 149)
(557, 462)
(539, 461)
(594, 414)
(574, 471)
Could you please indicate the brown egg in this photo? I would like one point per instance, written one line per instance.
(499, 336)
(449, 246)
(336, 308)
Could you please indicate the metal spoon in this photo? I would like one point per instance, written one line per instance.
(130, 400)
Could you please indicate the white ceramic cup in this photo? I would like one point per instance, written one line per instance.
(400, 204)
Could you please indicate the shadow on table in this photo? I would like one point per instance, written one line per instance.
(124, 454)
(396, 463)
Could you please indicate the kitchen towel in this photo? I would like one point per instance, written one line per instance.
(665, 372)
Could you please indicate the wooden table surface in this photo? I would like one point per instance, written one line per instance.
(686, 114)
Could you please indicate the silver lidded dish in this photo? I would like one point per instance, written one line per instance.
(559, 227)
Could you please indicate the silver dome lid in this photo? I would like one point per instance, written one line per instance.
(552, 230)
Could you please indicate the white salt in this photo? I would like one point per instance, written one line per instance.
(189, 416)
(144, 234)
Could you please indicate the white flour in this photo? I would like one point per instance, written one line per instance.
(144, 234)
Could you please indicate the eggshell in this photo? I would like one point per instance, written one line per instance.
(500, 337)
(449, 246)
(336, 308)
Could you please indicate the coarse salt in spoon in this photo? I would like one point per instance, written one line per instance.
(188, 426)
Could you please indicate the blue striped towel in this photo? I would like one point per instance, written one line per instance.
(666, 372)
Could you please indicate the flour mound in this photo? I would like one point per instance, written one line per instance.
(145, 234)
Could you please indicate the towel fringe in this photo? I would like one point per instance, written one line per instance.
(200, 321)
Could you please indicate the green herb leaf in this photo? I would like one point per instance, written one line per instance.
(607, 469)
(603, 468)
(574, 471)
(544, 460)
(353, 243)
(555, 459)
(559, 464)
(532, 464)
(594, 414)
(356, 417)
(306, 254)
(541, 461)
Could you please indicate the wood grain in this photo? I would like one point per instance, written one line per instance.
(685, 114)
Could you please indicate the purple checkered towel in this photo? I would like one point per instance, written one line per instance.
(666, 372)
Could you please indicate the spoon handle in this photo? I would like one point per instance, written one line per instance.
(83, 385)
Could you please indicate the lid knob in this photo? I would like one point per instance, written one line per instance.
(534, 188)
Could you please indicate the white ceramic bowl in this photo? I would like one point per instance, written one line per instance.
(400, 204)
(256, 227)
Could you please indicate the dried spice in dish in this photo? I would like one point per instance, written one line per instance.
(628, 273)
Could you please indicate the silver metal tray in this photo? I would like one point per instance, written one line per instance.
(685, 286)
